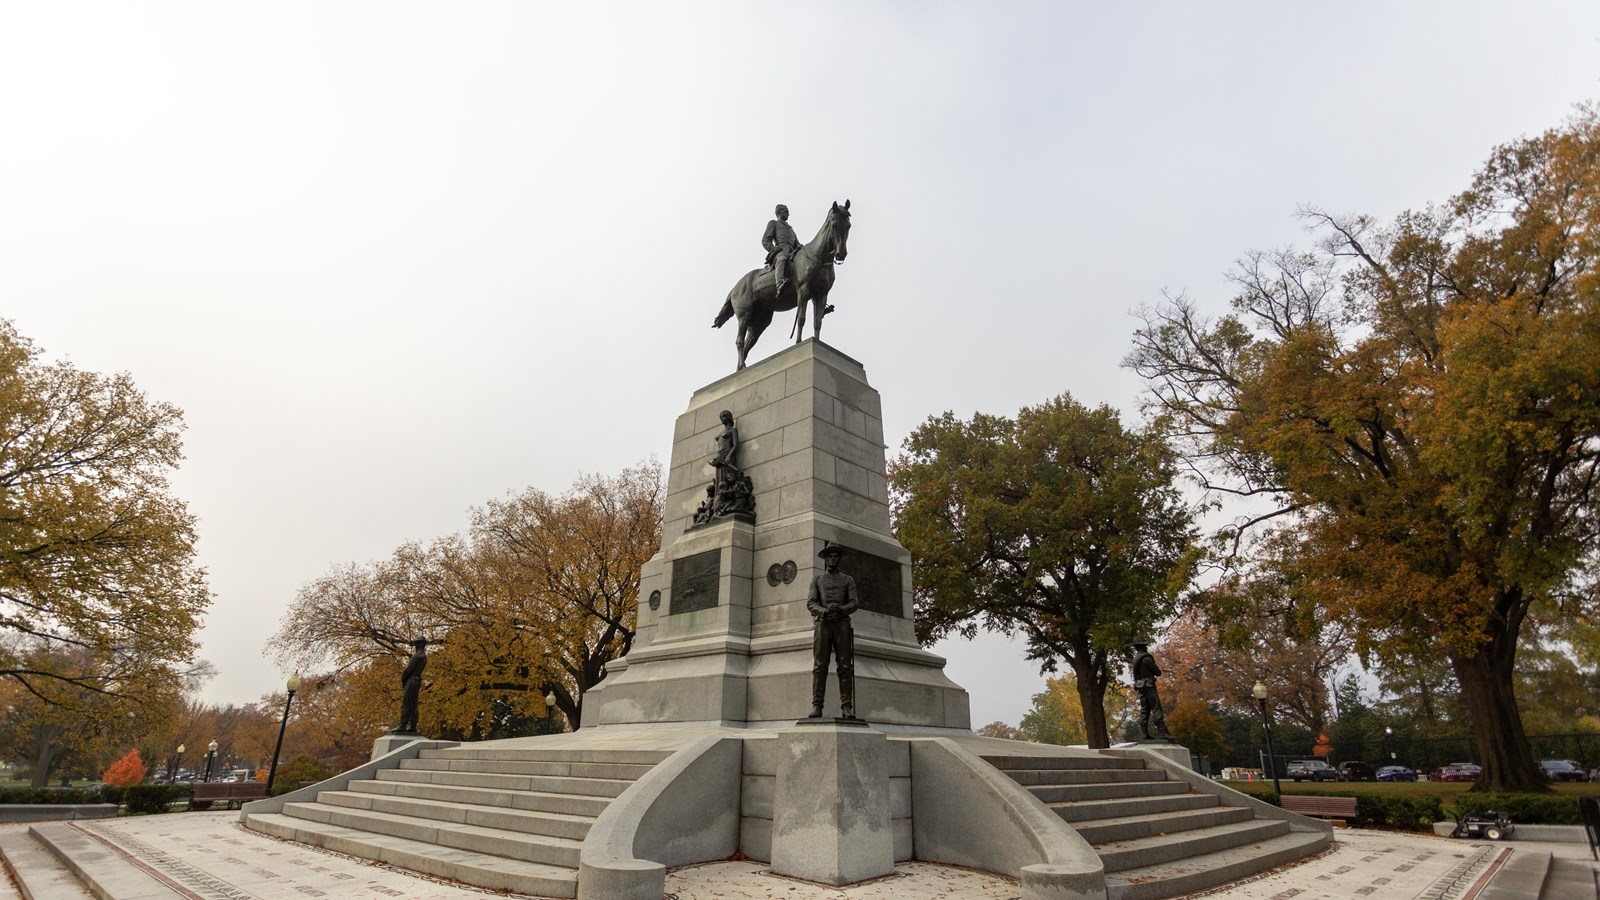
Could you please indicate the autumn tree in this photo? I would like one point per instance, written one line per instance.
(96, 555)
(1056, 716)
(1060, 524)
(130, 769)
(575, 561)
(531, 603)
(1195, 726)
(998, 729)
(1420, 403)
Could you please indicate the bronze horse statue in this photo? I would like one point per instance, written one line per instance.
(754, 298)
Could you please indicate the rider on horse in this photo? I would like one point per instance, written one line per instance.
(780, 242)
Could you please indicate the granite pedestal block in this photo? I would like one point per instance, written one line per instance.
(830, 819)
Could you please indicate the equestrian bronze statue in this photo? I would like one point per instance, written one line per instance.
(806, 277)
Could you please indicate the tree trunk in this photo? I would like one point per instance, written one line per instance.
(1486, 689)
(1092, 697)
(44, 755)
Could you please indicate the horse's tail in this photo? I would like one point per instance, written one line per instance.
(727, 309)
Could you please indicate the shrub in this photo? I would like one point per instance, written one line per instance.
(291, 773)
(48, 795)
(1527, 809)
(128, 770)
(1413, 812)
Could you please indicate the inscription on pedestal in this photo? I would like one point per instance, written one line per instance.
(694, 582)
(878, 582)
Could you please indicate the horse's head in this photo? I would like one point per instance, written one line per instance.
(839, 227)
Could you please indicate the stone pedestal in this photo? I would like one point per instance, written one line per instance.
(389, 743)
(830, 814)
(724, 637)
(1175, 752)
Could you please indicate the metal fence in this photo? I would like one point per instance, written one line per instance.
(1422, 754)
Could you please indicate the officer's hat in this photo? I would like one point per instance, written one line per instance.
(830, 550)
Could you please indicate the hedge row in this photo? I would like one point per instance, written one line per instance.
(1411, 812)
(144, 798)
(1527, 809)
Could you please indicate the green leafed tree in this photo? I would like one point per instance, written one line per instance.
(1421, 400)
(1060, 524)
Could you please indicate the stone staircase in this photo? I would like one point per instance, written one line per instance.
(1157, 837)
(510, 819)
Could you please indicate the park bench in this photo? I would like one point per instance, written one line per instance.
(204, 793)
(1320, 807)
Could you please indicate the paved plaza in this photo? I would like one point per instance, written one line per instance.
(209, 856)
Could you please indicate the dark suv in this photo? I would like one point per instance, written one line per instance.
(1356, 770)
(1311, 770)
(1562, 770)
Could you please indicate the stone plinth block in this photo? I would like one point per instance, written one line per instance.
(1175, 752)
(830, 814)
(388, 743)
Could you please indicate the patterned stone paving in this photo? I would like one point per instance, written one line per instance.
(208, 856)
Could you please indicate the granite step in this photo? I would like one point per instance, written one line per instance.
(1072, 793)
(626, 771)
(1086, 810)
(1569, 879)
(1197, 873)
(1124, 828)
(1006, 763)
(1155, 849)
(106, 873)
(1031, 777)
(589, 787)
(539, 848)
(638, 757)
(567, 804)
(39, 874)
(528, 821)
(475, 868)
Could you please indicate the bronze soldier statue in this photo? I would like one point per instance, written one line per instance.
(1152, 719)
(411, 682)
(831, 601)
(780, 242)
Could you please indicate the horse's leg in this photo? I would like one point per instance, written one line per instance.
(739, 341)
(820, 307)
(800, 315)
(760, 317)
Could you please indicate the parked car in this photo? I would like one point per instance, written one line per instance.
(1562, 770)
(1396, 773)
(1311, 770)
(1453, 773)
(1473, 768)
(1356, 770)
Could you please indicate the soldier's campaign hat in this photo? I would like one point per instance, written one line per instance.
(830, 550)
(1141, 642)
(419, 642)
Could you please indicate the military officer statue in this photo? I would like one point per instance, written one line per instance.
(411, 687)
(1152, 720)
(831, 601)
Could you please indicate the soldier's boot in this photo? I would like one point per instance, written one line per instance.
(819, 684)
(847, 693)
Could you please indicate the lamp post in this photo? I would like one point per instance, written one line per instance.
(292, 685)
(1388, 733)
(1260, 693)
(211, 758)
(549, 711)
(172, 772)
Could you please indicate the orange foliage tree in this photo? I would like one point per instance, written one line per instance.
(130, 769)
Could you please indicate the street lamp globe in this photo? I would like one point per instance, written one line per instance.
(1259, 691)
(293, 684)
(212, 747)
(549, 699)
(180, 749)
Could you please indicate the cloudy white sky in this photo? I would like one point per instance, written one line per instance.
(396, 259)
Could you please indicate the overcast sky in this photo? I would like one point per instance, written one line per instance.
(394, 260)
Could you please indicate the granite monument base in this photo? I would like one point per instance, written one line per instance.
(830, 813)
